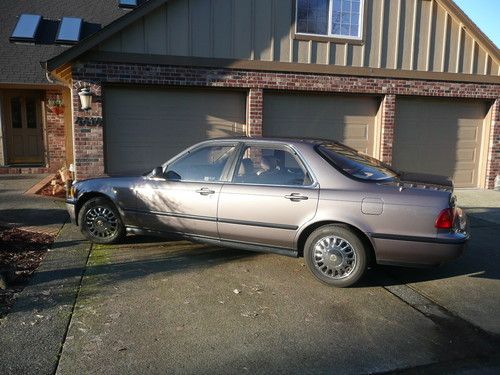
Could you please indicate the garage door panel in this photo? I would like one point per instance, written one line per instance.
(350, 120)
(146, 127)
(439, 136)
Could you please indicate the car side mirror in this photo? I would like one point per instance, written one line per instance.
(157, 173)
(172, 176)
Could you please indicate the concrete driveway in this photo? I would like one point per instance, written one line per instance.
(156, 306)
(175, 307)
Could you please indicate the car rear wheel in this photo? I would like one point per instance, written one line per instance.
(335, 255)
(100, 221)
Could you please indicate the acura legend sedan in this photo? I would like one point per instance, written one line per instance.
(338, 208)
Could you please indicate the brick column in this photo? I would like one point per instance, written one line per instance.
(89, 143)
(388, 123)
(255, 112)
(55, 131)
(493, 168)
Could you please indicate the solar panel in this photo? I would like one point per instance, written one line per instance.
(69, 30)
(127, 3)
(26, 28)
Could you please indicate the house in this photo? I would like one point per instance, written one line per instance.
(35, 111)
(412, 82)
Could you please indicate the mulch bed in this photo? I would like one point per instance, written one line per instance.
(21, 253)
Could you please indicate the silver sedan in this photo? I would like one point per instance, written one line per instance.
(339, 209)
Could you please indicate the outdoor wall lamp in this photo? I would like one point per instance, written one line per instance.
(85, 99)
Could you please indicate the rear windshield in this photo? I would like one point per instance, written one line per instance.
(355, 164)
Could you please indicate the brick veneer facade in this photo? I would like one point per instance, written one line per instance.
(493, 166)
(388, 122)
(54, 142)
(89, 153)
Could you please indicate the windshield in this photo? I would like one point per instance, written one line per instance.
(355, 163)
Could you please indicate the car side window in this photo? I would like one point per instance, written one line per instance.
(205, 164)
(270, 166)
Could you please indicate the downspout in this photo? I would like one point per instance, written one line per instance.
(52, 80)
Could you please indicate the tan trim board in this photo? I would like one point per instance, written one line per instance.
(131, 58)
(320, 38)
(454, 9)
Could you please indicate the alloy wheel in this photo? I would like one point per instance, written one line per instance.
(101, 222)
(334, 257)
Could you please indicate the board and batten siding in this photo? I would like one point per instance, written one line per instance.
(398, 34)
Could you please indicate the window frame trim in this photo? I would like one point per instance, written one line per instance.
(225, 172)
(285, 147)
(339, 38)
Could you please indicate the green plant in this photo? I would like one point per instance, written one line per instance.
(55, 102)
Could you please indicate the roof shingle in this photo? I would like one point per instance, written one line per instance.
(20, 63)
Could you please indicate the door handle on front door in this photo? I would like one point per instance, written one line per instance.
(205, 191)
(296, 197)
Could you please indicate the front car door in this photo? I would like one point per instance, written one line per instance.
(185, 200)
(270, 196)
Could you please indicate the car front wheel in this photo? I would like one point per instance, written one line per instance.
(335, 255)
(100, 221)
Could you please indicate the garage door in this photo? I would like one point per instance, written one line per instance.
(350, 120)
(146, 127)
(439, 136)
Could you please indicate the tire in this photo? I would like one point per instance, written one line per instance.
(336, 255)
(100, 221)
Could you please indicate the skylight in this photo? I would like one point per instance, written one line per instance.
(26, 28)
(127, 3)
(69, 30)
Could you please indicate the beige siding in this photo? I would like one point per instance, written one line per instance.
(403, 34)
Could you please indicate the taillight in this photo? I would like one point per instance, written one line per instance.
(445, 219)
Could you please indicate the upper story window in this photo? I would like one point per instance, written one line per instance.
(333, 18)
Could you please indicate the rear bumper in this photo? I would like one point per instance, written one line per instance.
(71, 208)
(419, 251)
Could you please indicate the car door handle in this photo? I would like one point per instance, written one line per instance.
(205, 191)
(296, 197)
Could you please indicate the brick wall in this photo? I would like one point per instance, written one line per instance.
(388, 122)
(255, 112)
(89, 152)
(55, 135)
(493, 168)
(89, 142)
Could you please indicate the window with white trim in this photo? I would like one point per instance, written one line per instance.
(332, 18)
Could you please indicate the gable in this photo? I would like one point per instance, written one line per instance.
(414, 35)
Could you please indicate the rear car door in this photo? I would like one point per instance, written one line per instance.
(270, 196)
(185, 200)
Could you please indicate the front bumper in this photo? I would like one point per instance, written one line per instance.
(420, 252)
(71, 207)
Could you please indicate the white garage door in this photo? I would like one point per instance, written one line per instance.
(146, 127)
(350, 120)
(440, 136)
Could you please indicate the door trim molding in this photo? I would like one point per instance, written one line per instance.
(215, 219)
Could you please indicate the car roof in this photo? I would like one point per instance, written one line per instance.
(287, 140)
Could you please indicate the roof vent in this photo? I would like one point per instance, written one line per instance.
(26, 28)
(69, 30)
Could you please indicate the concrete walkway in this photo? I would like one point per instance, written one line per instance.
(31, 335)
(21, 210)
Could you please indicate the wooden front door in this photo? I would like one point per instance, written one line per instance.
(23, 117)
